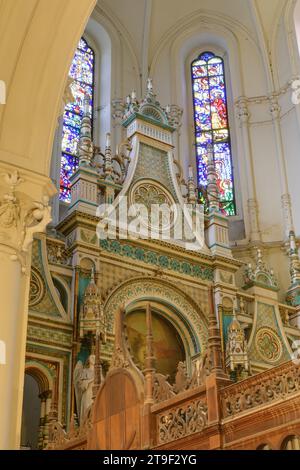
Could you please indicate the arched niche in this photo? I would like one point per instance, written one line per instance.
(31, 413)
(38, 388)
(169, 343)
(291, 443)
(173, 304)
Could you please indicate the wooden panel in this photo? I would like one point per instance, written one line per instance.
(117, 414)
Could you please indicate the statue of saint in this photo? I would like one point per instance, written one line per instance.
(83, 382)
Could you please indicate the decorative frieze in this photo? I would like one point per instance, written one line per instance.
(262, 389)
(157, 259)
(49, 336)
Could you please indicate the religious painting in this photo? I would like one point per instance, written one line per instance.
(168, 347)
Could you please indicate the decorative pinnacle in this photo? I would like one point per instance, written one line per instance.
(212, 187)
(93, 275)
(150, 85)
(261, 274)
(85, 145)
(294, 259)
(108, 169)
(191, 187)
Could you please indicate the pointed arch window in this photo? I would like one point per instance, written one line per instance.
(212, 127)
(82, 73)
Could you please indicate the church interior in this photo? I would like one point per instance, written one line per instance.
(110, 339)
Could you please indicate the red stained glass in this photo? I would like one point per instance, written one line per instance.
(211, 125)
(82, 71)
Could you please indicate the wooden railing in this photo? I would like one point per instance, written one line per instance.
(180, 416)
(267, 387)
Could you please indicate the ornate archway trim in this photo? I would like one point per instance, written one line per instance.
(159, 289)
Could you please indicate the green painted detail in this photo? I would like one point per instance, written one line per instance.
(293, 295)
(267, 319)
(82, 285)
(219, 244)
(154, 258)
(226, 321)
(259, 284)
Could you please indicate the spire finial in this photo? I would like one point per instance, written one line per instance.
(191, 187)
(212, 187)
(214, 339)
(108, 168)
(85, 145)
(149, 85)
(293, 295)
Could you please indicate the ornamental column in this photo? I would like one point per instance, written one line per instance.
(48, 396)
(252, 204)
(285, 195)
(42, 420)
(24, 211)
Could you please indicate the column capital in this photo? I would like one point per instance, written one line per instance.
(174, 114)
(274, 107)
(24, 211)
(118, 108)
(243, 112)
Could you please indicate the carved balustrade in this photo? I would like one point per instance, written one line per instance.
(180, 416)
(262, 389)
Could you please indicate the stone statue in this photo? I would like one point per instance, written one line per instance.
(181, 381)
(202, 369)
(84, 381)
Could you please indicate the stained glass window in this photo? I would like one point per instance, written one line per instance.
(82, 72)
(211, 126)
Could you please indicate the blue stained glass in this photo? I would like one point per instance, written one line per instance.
(71, 119)
(82, 67)
(82, 71)
(79, 91)
(206, 56)
(70, 139)
(211, 126)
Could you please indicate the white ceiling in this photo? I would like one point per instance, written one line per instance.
(147, 21)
